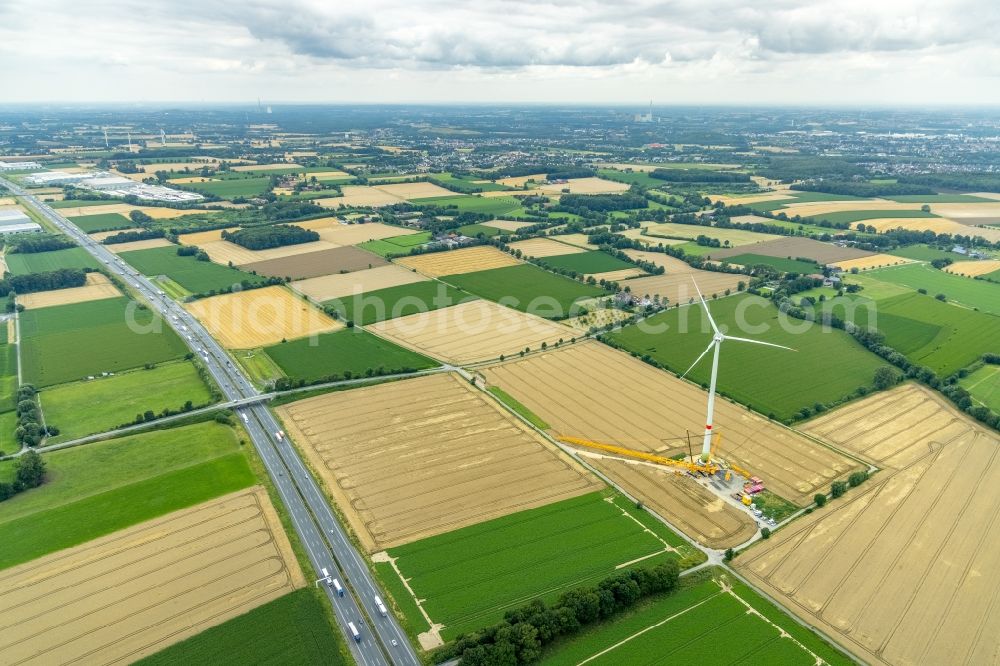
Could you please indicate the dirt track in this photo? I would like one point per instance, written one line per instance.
(696, 511)
(472, 331)
(592, 391)
(466, 260)
(904, 569)
(134, 592)
(260, 317)
(419, 457)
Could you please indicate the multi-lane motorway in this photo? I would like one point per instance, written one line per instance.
(382, 641)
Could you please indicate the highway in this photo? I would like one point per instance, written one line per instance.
(382, 640)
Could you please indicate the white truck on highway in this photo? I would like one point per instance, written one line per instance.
(354, 632)
(337, 587)
(382, 610)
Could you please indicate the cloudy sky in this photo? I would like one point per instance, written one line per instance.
(589, 51)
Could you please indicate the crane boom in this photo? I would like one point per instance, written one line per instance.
(705, 468)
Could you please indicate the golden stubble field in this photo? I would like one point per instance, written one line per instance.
(453, 262)
(873, 261)
(679, 288)
(545, 247)
(591, 185)
(974, 268)
(413, 458)
(472, 332)
(260, 317)
(592, 391)
(127, 595)
(339, 285)
(904, 569)
(98, 286)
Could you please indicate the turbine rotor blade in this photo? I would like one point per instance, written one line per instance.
(704, 305)
(757, 342)
(710, 345)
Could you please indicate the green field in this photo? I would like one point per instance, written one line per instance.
(469, 577)
(778, 263)
(104, 487)
(71, 407)
(8, 422)
(804, 228)
(474, 204)
(69, 342)
(396, 246)
(527, 288)
(466, 184)
(351, 351)
(398, 301)
(941, 336)
(8, 374)
(232, 188)
(592, 261)
(197, 277)
(699, 623)
(81, 203)
(965, 291)
(518, 407)
(635, 178)
(44, 262)
(104, 222)
(852, 216)
(984, 385)
(476, 229)
(924, 253)
(293, 630)
(827, 365)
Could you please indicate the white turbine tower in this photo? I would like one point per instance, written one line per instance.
(717, 339)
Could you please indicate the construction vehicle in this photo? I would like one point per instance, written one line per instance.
(709, 468)
(754, 486)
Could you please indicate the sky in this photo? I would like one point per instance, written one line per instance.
(772, 52)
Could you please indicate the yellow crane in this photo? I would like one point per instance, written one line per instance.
(705, 468)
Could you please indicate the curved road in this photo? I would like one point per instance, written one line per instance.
(382, 640)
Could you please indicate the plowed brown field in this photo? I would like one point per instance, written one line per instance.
(471, 332)
(134, 592)
(904, 569)
(414, 458)
(314, 264)
(592, 391)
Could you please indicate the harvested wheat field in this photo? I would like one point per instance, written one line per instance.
(599, 317)
(124, 209)
(454, 262)
(974, 268)
(139, 245)
(822, 253)
(577, 240)
(471, 332)
(200, 238)
(267, 167)
(224, 252)
(820, 208)
(414, 458)
(938, 225)
(332, 231)
(260, 317)
(101, 235)
(616, 276)
(360, 195)
(314, 264)
(670, 264)
(592, 185)
(132, 593)
(347, 284)
(544, 247)
(592, 391)
(507, 225)
(97, 287)
(692, 231)
(871, 261)
(903, 569)
(519, 181)
(778, 197)
(680, 499)
(411, 191)
(679, 288)
(960, 211)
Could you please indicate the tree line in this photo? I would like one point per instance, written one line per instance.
(31, 244)
(601, 203)
(130, 236)
(861, 188)
(698, 176)
(29, 472)
(269, 236)
(61, 278)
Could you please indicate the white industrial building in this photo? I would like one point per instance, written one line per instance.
(56, 178)
(112, 185)
(13, 216)
(18, 166)
(25, 228)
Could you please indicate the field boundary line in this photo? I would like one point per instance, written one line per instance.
(781, 632)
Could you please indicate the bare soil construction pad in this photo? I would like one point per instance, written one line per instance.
(134, 592)
(904, 569)
(453, 262)
(98, 286)
(471, 332)
(260, 317)
(681, 500)
(314, 264)
(414, 458)
(347, 284)
(545, 247)
(592, 391)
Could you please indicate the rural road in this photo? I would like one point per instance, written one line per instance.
(381, 640)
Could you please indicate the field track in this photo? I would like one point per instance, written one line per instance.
(903, 569)
(132, 593)
(414, 458)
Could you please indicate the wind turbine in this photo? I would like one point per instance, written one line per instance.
(717, 339)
